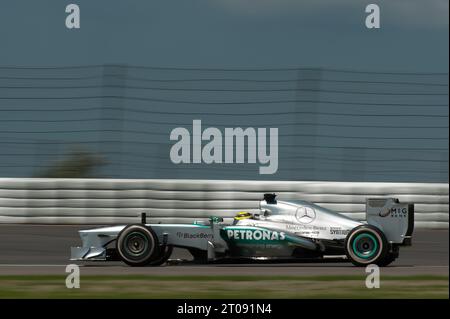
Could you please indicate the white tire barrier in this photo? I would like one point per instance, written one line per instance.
(112, 201)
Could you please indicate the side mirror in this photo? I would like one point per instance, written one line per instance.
(216, 219)
(259, 216)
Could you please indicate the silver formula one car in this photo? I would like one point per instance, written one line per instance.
(284, 230)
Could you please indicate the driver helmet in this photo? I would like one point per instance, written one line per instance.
(242, 215)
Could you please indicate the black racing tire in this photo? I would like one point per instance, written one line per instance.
(137, 245)
(163, 256)
(365, 245)
(389, 259)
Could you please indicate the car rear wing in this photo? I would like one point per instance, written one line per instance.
(395, 219)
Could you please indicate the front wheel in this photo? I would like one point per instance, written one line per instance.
(366, 245)
(137, 245)
(163, 256)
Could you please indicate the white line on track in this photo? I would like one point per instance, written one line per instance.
(108, 266)
(25, 265)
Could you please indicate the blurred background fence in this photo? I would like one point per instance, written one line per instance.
(114, 121)
(109, 201)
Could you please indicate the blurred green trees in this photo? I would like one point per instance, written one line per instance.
(78, 163)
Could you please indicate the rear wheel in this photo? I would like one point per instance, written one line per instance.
(366, 245)
(137, 245)
(390, 258)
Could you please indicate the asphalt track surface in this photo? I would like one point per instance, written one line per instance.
(45, 249)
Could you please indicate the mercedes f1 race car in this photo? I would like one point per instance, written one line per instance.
(283, 230)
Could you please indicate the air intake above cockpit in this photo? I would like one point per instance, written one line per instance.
(270, 198)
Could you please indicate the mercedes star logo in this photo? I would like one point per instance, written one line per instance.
(305, 215)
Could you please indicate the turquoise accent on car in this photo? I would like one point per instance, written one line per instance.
(372, 252)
